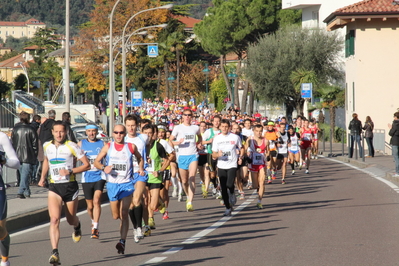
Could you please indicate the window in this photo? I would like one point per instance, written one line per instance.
(315, 16)
(350, 43)
(6, 33)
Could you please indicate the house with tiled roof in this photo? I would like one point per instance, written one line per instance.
(11, 67)
(20, 29)
(371, 51)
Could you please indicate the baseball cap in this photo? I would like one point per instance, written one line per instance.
(270, 123)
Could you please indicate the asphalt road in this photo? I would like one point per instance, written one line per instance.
(336, 215)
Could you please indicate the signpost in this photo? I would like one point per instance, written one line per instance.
(152, 50)
(137, 99)
(306, 93)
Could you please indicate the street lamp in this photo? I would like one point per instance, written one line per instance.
(25, 73)
(124, 44)
(132, 89)
(170, 79)
(232, 76)
(206, 72)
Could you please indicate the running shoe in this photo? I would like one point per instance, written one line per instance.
(283, 181)
(174, 193)
(242, 195)
(214, 191)
(180, 197)
(273, 175)
(95, 233)
(162, 208)
(259, 205)
(293, 172)
(120, 247)
(300, 166)
(232, 198)
(54, 259)
(151, 222)
(312, 157)
(203, 188)
(218, 195)
(76, 235)
(205, 194)
(165, 216)
(269, 180)
(249, 186)
(5, 263)
(315, 157)
(227, 212)
(189, 207)
(307, 171)
(139, 233)
(135, 236)
(147, 231)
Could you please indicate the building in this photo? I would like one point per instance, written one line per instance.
(20, 29)
(11, 67)
(371, 51)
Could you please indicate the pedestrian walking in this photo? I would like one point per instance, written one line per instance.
(25, 142)
(368, 135)
(394, 133)
(355, 127)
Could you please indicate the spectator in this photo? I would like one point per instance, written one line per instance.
(25, 142)
(45, 128)
(36, 122)
(66, 119)
(368, 135)
(394, 133)
(355, 127)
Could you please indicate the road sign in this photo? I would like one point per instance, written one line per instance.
(306, 90)
(152, 50)
(137, 98)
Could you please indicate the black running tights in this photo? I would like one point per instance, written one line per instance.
(227, 178)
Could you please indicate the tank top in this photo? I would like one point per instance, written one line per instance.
(271, 137)
(122, 171)
(314, 130)
(284, 147)
(258, 152)
(92, 149)
(294, 141)
(306, 135)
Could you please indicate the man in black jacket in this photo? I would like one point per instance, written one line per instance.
(66, 119)
(25, 142)
(355, 127)
(394, 133)
(45, 128)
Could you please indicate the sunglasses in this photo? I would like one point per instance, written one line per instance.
(187, 114)
(119, 132)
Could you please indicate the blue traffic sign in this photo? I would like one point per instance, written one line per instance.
(306, 90)
(152, 50)
(137, 98)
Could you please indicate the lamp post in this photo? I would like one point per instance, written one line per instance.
(232, 76)
(206, 72)
(170, 79)
(132, 89)
(124, 44)
(67, 63)
(25, 73)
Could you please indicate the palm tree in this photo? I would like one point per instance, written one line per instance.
(298, 77)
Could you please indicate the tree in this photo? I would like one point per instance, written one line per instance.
(230, 26)
(333, 98)
(4, 88)
(298, 77)
(44, 39)
(218, 93)
(275, 57)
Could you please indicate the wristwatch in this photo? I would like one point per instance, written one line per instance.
(102, 168)
(70, 171)
(158, 172)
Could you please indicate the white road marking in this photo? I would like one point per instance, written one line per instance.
(378, 177)
(204, 232)
(48, 224)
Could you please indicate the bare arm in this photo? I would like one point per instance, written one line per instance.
(44, 171)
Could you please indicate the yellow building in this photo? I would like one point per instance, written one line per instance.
(11, 67)
(371, 51)
(20, 29)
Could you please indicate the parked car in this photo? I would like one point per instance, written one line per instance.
(80, 131)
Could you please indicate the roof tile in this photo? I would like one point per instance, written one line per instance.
(371, 6)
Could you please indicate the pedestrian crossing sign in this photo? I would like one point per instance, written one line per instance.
(152, 50)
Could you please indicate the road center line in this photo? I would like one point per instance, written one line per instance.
(204, 232)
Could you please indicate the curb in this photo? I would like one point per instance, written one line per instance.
(33, 218)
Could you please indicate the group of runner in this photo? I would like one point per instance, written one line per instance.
(139, 168)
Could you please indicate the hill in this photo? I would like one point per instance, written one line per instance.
(197, 11)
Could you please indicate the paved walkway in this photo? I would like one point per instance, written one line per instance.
(31, 211)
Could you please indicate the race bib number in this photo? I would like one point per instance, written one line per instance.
(55, 173)
(226, 156)
(258, 159)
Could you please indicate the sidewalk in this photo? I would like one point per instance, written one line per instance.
(28, 212)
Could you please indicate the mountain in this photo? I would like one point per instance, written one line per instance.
(197, 11)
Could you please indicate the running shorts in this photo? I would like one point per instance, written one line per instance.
(155, 185)
(90, 188)
(305, 145)
(211, 163)
(255, 168)
(137, 177)
(202, 159)
(293, 152)
(118, 191)
(184, 161)
(165, 175)
(67, 191)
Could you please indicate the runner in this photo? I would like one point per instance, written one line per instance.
(306, 145)
(119, 174)
(293, 148)
(247, 130)
(242, 168)
(257, 150)
(157, 161)
(187, 160)
(8, 158)
(166, 174)
(202, 160)
(313, 125)
(136, 209)
(224, 148)
(93, 181)
(59, 158)
(208, 137)
(282, 145)
(272, 137)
